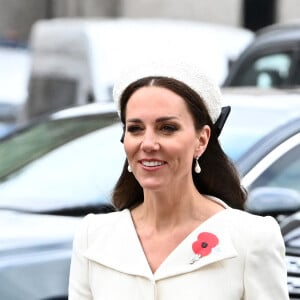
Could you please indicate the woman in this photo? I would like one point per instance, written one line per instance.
(179, 231)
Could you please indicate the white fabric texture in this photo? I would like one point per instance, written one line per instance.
(108, 262)
(187, 73)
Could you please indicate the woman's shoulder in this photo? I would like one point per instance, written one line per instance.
(246, 220)
(249, 227)
(100, 221)
(94, 224)
(241, 220)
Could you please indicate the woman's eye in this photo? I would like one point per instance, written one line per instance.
(169, 128)
(134, 128)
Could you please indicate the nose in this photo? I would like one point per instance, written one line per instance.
(149, 142)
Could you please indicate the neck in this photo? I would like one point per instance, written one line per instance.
(165, 210)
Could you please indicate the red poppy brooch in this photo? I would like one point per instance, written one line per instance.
(205, 243)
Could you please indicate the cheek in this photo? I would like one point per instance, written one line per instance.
(126, 148)
(183, 152)
(129, 147)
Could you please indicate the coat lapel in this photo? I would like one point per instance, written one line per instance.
(119, 248)
(179, 261)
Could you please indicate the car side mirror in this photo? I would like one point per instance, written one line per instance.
(273, 201)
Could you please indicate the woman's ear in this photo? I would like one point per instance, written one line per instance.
(203, 139)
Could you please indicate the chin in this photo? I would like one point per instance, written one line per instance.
(151, 185)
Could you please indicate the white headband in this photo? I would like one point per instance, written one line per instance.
(186, 73)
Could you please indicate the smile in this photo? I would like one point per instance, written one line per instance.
(152, 163)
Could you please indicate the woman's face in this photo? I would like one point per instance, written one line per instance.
(160, 138)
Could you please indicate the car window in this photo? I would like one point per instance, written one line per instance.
(270, 70)
(78, 173)
(28, 145)
(285, 172)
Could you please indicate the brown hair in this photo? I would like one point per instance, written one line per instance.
(218, 177)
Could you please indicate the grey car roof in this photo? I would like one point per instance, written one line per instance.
(278, 33)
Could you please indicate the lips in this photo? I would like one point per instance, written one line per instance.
(152, 163)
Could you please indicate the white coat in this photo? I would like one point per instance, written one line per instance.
(108, 262)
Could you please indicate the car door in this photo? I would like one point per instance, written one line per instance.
(284, 166)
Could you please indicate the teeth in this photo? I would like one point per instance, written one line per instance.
(152, 163)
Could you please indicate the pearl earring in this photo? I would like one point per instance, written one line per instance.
(129, 168)
(197, 166)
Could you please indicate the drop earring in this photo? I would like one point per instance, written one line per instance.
(197, 166)
(129, 168)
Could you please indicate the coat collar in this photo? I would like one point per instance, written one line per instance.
(120, 248)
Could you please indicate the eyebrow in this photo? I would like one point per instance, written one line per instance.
(158, 120)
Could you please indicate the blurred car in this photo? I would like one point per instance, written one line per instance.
(35, 250)
(38, 225)
(271, 60)
(270, 169)
(262, 138)
(290, 228)
(66, 165)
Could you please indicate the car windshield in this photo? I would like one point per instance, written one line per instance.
(245, 127)
(31, 143)
(60, 164)
(238, 141)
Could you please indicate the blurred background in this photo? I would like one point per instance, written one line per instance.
(60, 150)
(47, 65)
(17, 17)
(20, 28)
